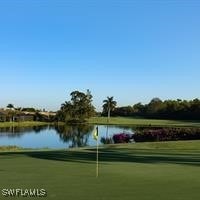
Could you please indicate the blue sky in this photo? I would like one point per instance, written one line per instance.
(132, 50)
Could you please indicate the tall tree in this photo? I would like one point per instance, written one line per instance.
(78, 109)
(109, 105)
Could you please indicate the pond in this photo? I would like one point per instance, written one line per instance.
(56, 136)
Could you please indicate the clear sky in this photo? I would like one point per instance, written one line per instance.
(132, 50)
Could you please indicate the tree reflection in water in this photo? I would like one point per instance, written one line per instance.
(17, 131)
(78, 135)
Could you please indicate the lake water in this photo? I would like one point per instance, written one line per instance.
(56, 136)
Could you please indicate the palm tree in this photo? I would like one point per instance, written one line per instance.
(109, 105)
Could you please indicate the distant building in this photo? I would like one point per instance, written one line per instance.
(7, 115)
(17, 116)
(2, 116)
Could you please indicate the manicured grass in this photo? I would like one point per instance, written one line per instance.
(142, 122)
(142, 171)
(22, 124)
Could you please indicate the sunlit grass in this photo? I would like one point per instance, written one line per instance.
(144, 171)
(22, 124)
(142, 122)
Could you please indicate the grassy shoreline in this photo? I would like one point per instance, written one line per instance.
(142, 122)
(22, 124)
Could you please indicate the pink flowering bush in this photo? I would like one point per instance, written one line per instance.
(122, 138)
(167, 134)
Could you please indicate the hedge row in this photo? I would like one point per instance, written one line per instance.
(167, 134)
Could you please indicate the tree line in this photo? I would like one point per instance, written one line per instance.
(80, 107)
(158, 109)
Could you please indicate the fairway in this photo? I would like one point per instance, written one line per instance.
(143, 122)
(142, 171)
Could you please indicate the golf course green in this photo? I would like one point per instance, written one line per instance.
(142, 171)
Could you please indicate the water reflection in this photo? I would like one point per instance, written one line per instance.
(80, 135)
(14, 131)
(54, 136)
(77, 135)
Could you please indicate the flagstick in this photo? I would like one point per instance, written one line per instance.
(97, 169)
(96, 136)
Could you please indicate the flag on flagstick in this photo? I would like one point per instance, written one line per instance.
(95, 133)
(96, 136)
